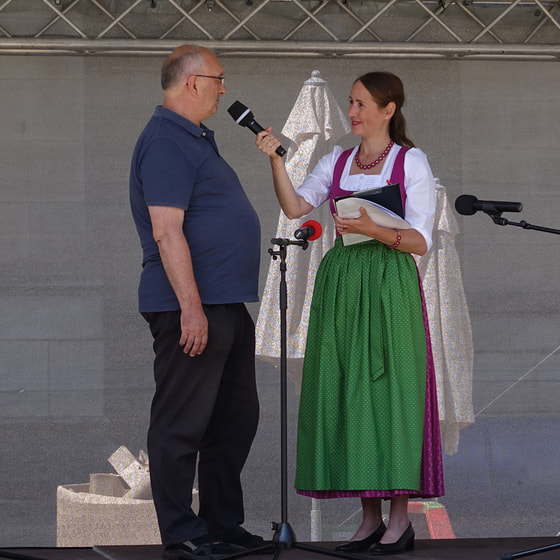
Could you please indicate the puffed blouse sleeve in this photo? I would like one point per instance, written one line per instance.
(316, 187)
(420, 193)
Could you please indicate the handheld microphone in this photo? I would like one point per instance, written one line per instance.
(310, 230)
(467, 205)
(244, 117)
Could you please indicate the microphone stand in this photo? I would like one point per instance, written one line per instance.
(284, 536)
(497, 218)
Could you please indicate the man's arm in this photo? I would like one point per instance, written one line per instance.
(167, 228)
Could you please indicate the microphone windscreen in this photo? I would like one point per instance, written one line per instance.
(464, 204)
(237, 109)
(316, 228)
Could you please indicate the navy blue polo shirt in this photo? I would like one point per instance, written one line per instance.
(176, 163)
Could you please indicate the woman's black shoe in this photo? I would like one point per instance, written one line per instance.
(405, 542)
(364, 544)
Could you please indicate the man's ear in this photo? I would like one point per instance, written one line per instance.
(192, 84)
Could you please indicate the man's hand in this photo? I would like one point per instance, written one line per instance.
(194, 331)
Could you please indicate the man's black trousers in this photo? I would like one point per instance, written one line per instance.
(206, 408)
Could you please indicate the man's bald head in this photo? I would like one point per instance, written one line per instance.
(184, 60)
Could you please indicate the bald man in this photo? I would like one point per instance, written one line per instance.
(200, 238)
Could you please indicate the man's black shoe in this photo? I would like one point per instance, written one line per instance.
(205, 551)
(248, 541)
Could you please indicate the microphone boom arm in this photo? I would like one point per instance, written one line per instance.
(497, 219)
(282, 242)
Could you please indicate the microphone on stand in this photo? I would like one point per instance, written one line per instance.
(467, 205)
(244, 117)
(309, 231)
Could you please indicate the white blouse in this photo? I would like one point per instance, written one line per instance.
(419, 185)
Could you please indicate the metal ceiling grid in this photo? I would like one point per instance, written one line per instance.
(518, 29)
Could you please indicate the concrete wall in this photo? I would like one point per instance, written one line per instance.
(75, 357)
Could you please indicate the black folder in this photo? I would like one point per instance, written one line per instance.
(389, 197)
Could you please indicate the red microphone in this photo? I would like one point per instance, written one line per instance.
(310, 231)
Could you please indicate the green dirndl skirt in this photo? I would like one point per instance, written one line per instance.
(362, 405)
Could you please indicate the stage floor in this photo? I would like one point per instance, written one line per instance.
(429, 549)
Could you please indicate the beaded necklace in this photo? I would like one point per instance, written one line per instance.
(377, 161)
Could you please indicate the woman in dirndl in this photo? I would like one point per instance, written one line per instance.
(368, 420)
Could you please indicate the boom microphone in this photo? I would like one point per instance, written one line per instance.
(310, 230)
(467, 205)
(244, 117)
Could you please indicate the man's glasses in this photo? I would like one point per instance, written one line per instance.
(221, 78)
